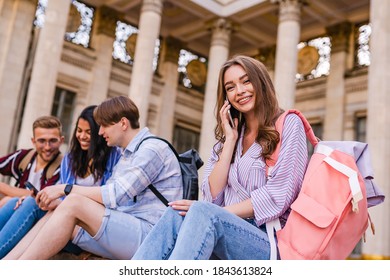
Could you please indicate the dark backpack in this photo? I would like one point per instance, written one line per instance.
(190, 162)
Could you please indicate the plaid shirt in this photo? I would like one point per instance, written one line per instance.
(153, 163)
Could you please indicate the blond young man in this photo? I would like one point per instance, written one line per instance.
(41, 165)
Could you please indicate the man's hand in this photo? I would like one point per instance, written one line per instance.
(46, 196)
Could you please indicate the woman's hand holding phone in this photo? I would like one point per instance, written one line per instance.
(230, 119)
(228, 123)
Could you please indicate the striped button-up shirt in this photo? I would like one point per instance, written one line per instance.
(271, 198)
(154, 162)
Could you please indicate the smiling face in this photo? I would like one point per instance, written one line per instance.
(47, 142)
(239, 89)
(83, 134)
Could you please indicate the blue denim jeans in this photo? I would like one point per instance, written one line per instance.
(14, 224)
(206, 230)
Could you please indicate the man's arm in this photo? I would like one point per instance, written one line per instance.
(8, 190)
(47, 195)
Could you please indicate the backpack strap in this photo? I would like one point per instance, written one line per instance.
(279, 127)
(182, 159)
(26, 160)
(158, 194)
(167, 142)
(53, 165)
(275, 225)
(271, 227)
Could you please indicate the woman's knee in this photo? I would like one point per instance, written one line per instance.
(202, 207)
(201, 210)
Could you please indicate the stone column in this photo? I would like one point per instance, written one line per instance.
(102, 42)
(378, 124)
(44, 72)
(16, 24)
(166, 110)
(286, 51)
(219, 52)
(341, 35)
(142, 75)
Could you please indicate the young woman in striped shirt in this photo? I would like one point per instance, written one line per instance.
(238, 197)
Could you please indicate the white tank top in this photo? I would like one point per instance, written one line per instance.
(88, 181)
(35, 177)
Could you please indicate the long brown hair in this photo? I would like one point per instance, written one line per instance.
(266, 108)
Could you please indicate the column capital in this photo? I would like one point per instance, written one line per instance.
(106, 19)
(172, 49)
(221, 29)
(340, 36)
(152, 6)
(220, 24)
(289, 9)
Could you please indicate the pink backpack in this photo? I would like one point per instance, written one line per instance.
(329, 216)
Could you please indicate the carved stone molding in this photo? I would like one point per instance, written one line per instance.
(289, 9)
(152, 6)
(221, 29)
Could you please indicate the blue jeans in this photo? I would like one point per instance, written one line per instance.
(206, 230)
(14, 224)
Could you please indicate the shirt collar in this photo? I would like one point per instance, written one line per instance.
(144, 132)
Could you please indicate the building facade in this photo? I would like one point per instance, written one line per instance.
(327, 58)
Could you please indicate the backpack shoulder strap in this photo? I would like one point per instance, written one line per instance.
(26, 160)
(180, 158)
(53, 166)
(151, 187)
(275, 225)
(279, 127)
(162, 139)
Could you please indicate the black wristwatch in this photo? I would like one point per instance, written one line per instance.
(68, 189)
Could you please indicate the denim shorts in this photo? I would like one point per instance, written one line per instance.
(118, 237)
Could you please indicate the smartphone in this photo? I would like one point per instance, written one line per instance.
(30, 186)
(230, 114)
(230, 119)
